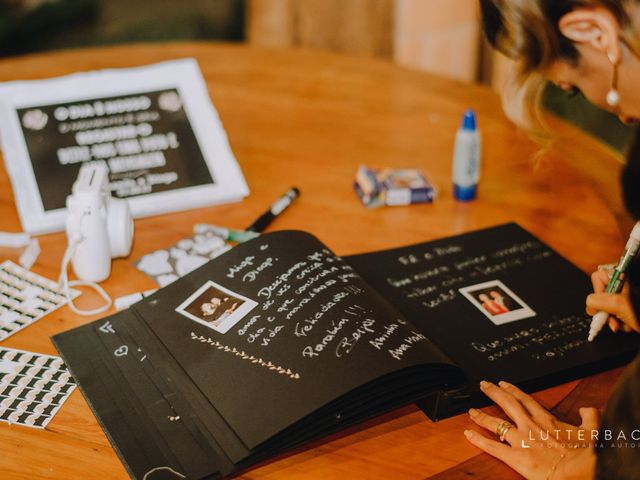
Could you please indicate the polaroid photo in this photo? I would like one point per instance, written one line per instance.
(497, 302)
(216, 307)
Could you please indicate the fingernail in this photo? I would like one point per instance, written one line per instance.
(468, 433)
(484, 384)
(473, 412)
(502, 383)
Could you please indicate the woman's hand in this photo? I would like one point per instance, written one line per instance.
(537, 445)
(618, 305)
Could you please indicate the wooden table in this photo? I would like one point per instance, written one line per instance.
(309, 119)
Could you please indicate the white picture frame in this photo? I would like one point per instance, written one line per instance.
(227, 182)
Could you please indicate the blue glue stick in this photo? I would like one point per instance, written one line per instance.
(466, 159)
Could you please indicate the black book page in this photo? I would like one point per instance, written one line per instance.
(540, 331)
(293, 328)
(134, 413)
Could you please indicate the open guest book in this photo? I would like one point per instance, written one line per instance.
(279, 341)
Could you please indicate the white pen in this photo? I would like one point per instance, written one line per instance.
(616, 282)
(126, 301)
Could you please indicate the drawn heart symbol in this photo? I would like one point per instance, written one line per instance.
(121, 351)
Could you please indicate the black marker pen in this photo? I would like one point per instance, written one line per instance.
(276, 209)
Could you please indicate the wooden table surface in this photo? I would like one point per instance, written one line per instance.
(309, 119)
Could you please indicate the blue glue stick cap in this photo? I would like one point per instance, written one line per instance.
(469, 120)
(465, 194)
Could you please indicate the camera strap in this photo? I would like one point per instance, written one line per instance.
(65, 285)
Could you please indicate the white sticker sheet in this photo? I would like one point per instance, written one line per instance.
(33, 387)
(26, 297)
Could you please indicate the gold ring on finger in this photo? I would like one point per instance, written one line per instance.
(502, 429)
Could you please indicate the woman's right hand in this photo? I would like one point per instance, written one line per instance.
(618, 305)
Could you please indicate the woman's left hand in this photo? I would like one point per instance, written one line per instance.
(536, 444)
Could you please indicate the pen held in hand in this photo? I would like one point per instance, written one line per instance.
(617, 281)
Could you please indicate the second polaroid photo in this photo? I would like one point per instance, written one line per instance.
(497, 302)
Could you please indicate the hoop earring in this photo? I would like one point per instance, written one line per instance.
(613, 96)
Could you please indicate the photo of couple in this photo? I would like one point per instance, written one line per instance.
(216, 307)
(497, 302)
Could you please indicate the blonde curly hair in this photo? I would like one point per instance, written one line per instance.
(527, 31)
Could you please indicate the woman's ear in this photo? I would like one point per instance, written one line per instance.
(596, 27)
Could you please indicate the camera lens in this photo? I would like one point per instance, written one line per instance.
(120, 227)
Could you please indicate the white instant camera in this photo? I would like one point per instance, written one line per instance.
(99, 227)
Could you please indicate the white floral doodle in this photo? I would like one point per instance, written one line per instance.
(245, 356)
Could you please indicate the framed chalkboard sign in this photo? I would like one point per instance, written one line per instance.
(155, 127)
